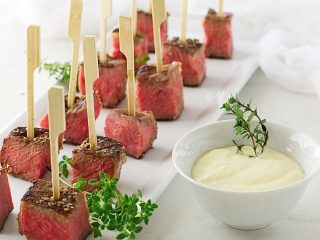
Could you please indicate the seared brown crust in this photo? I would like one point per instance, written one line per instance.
(213, 16)
(149, 72)
(140, 116)
(144, 12)
(148, 13)
(138, 36)
(189, 46)
(40, 194)
(105, 147)
(111, 62)
(40, 134)
(116, 30)
(79, 101)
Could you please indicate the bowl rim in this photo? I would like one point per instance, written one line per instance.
(305, 179)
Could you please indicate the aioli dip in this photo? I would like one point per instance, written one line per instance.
(225, 169)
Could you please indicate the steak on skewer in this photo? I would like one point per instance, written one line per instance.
(76, 119)
(140, 48)
(27, 158)
(111, 85)
(218, 35)
(191, 54)
(108, 157)
(136, 133)
(161, 93)
(144, 26)
(41, 217)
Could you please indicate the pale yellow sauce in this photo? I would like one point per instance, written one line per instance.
(225, 169)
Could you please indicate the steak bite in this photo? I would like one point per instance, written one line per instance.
(6, 205)
(161, 93)
(145, 26)
(111, 85)
(140, 48)
(76, 119)
(135, 133)
(218, 35)
(19, 153)
(108, 157)
(191, 54)
(41, 217)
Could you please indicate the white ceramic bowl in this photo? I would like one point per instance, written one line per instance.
(246, 210)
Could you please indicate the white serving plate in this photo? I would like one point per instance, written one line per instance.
(154, 172)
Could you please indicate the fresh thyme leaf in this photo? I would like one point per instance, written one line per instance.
(60, 71)
(110, 209)
(244, 115)
(140, 60)
(63, 166)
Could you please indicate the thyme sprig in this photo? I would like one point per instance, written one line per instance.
(244, 113)
(110, 209)
(63, 166)
(60, 71)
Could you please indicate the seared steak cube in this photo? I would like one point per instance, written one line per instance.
(161, 93)
(41, 217)
(108, 157)
(191, 54)
(145, 26)
(218, 35)
(135, 133)
(6, 205)
(76, 119)
(27, 158)
(111, 84)
(140, 48)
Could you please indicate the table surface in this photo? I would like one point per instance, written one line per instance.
(179, 216)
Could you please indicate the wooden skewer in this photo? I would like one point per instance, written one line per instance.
(134, 16)
(91, 72)
(158, 17)
(220, 11)
(183, 34)
(106, 11)
(33, 61)
(57, 125)
(150, 6)
(126, 47)
(74, 34)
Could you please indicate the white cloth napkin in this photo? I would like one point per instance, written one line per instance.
(290, 50)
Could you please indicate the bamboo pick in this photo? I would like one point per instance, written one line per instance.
(150, 6)
(106, 11)
(220, 10)
(183, 34)
(158, 16)
(57, 125)
(91, 74)
(134, 14)
(126, 47)
(74, 34)
(33, 61)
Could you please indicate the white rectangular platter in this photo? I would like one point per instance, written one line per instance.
(153, 173)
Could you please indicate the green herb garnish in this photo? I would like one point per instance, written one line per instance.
(109, 208)
(140, 60)
(63, 166)
(258, 134)
(60, 71)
